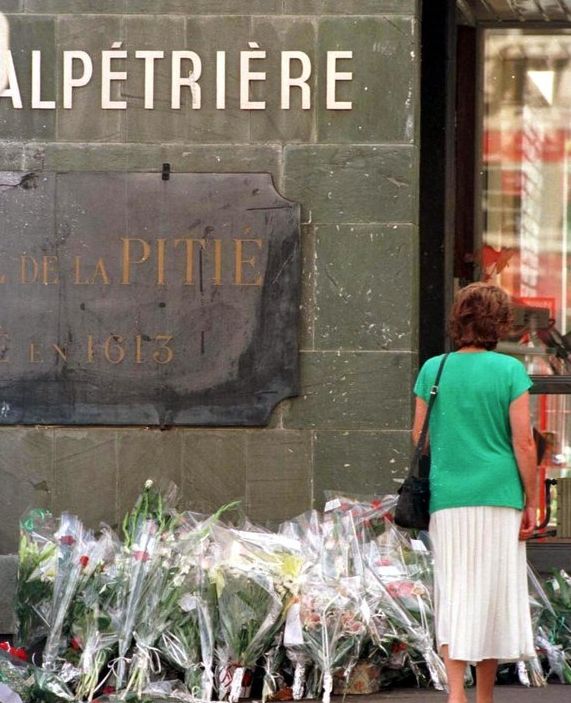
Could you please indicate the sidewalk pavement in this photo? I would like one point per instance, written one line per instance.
(554, 693)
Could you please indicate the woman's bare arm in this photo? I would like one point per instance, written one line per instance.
(526, 457)
(524, 446)
(419, 415)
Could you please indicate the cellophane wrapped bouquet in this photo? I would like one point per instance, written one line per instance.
(181, 606)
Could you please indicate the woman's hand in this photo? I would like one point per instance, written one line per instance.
(528, 521)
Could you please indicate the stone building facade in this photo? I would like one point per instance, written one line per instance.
(355, 173)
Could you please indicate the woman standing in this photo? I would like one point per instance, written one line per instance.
(483, 493)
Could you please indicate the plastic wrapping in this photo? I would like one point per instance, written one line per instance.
(31, 683)
(399, 599)
(137, 566)
(250, 611)
(154, 505)
(189, 645)
(551, 616)
(332, 631)
(74, 552)
(186, 597)
(36, 573)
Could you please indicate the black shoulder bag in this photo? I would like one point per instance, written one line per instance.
(414, 494)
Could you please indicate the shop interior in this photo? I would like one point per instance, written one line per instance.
(500, 206)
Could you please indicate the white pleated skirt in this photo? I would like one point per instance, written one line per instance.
(480, 584)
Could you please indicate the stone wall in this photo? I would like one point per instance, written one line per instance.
(356, 175)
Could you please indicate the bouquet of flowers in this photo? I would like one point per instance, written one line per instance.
(139, 575)
(281, 558)
(330, 631)
(29, 682)
(369, 515)
(399, 598)
(78, 556)
(173, 618)
(184, 596)
(250, 609)
(138, 569)
(93, 634)
(36, 574)
(189, 645)
(551, 616)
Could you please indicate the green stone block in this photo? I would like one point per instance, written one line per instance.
(359, 463)
(279, 474)
(360, 183)
(213, 468)
(272, 502)
(183, 158)
(206, 36)
(26, 475)
(86, 121)
(206, 7)
(86, 475)
(11, 5)
(12, 156)
(26, 35)
(350, 7)
(275, 455)
(8, 585)
(68, 7)
(146, 454)
(365, 287)
(352, 390)
(160, 124)
(308, 308)
(385, 88)
(274, 124)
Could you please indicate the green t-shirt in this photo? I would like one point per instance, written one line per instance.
(472, 460)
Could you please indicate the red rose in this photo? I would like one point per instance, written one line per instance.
(18, 652)
(84, 560)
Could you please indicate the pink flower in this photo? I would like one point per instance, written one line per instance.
(141, 555)
(401, 589)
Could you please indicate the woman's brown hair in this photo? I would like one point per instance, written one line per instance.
(480, 316)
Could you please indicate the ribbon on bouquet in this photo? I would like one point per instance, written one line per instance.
(236, 687)
(327, 686)
(299, 675)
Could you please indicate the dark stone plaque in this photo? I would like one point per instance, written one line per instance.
(129, 299)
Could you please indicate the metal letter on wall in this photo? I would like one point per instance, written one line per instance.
(128, 299)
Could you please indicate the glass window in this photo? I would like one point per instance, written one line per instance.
(526, 162)
(525, 233)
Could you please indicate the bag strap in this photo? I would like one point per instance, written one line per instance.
(424, 432)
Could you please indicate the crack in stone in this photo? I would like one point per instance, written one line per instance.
(26, 182)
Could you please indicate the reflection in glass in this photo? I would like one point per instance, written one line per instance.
(526, 216)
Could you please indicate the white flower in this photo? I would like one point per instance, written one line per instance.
(148, 483)
(187, 602)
